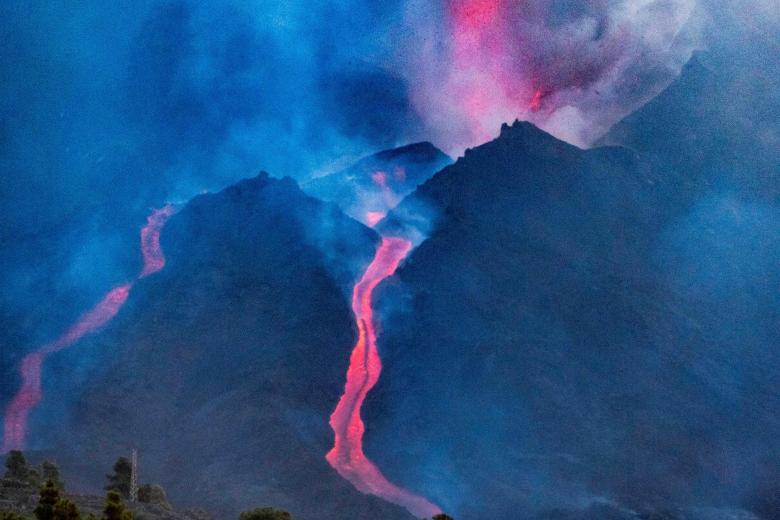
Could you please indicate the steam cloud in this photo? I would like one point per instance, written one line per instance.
(573, 68)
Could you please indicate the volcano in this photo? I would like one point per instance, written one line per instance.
(226, 365)
(562, 333)
(590, 333)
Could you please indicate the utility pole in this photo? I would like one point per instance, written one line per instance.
(134, 477)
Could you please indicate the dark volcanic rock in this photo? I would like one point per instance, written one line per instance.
(583, 326)
(227, 364)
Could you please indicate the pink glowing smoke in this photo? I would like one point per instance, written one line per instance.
(572, 68)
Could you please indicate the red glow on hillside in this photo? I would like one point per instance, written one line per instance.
(373, 217)
(17, 410)
(347, 455)
(380, 178)
(377, 205)
(30, 393)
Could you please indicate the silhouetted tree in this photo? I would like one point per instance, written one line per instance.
(153, 494)
(50, 471)
(12, 515)
(120, 480)
(265, 513)
(49, 497)
(115, 509)
(442, 516)
(16, 465)
(66, 510)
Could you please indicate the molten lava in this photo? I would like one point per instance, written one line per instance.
(150, 240)
(347, 456)
(31, 393)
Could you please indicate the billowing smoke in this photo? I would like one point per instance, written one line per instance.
(573, 68)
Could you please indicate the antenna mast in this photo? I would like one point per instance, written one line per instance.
(134, 477)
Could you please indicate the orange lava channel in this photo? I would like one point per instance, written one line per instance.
(347, 455)
(30, 392)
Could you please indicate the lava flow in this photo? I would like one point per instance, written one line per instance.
(154, 260)
(347, 455)
(30, 393)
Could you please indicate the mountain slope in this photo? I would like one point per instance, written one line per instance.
(224, 367)
(579, 329)
(378, 182)
(716, 124)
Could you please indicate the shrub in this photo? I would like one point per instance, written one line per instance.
(265, 513)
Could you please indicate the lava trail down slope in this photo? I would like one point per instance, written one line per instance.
(347, 455)
(30, 393)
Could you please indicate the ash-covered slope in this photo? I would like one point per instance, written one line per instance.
(225, 366)
(717, 124)
(583, 335)
(378, 182)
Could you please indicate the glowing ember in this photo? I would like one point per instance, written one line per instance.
(31, 393)
(347, 455)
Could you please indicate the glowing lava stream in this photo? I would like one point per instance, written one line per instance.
(30, 393)
(347, 455)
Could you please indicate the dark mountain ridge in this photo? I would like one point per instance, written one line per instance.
(224, 367)
(586, 329)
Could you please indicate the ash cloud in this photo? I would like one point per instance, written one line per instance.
(573, 69)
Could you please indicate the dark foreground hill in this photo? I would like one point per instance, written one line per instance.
(22, 499)
(223, 368)
(589, 334)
